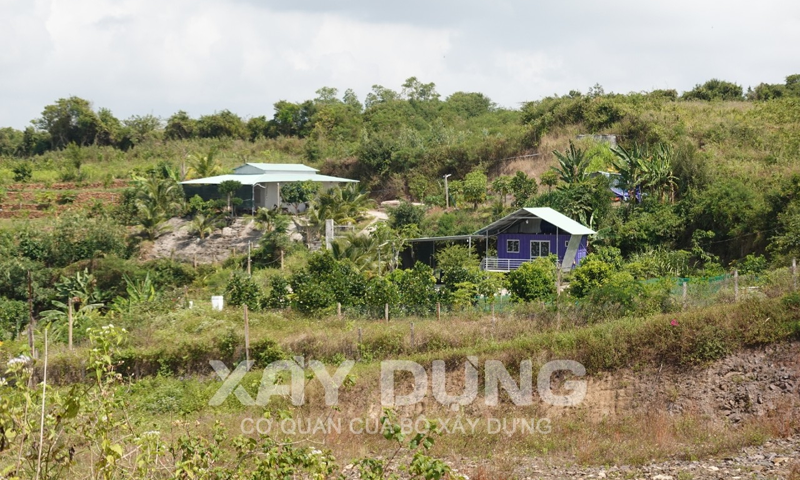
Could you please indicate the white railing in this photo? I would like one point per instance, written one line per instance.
(494, 264)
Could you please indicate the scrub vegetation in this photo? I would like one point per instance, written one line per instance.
(712, 185)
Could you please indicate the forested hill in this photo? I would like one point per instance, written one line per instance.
(730, 186)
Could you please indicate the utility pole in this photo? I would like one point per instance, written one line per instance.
(446, 192)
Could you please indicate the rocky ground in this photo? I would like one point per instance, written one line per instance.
(776, 459)
(181, 244)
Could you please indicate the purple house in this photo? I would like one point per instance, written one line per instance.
(530, 233)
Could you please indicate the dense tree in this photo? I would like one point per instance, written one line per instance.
(141, 127)
(474, 187)
(406, 214)
(522, 187)
(293, 119)
(70, 120)
(549, 179)
(220, 125)
(502, 187)
(299, 192)
(180, 126)
(259, 127)
(469, 105)
(228, 188)
(10, 141)
(714, 89)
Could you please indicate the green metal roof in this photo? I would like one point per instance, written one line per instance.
(279, 167)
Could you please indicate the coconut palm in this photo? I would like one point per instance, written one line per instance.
(360, 250)
(202, 166)
(152, 219)
(272, 220)
(204, 225)
(342, 205)
(165, 193)
(157, 200)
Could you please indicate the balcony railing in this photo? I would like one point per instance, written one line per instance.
(494, 264)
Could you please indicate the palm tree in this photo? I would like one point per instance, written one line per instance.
(157, 200)
(202, 166)
(342, 205)
(165, 193)
(272, 220)
(204, 225)
(572, 165)
(360, 250)
(633, 167)
(152, 219)
(661, 178)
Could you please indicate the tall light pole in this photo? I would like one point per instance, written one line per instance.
(446, 193)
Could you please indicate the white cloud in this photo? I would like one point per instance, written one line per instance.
(144, 56)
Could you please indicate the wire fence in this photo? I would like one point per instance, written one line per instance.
(667, 294)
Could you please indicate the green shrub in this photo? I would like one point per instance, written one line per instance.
(751, 264)
(618, 289)
(13, 317)
(534, 280)
(242, 290)
(67, 198)
(590, 275)
(266, 351)
(709, 344)
(169, 273)
(326, 281)
(163, 395)
(378, 292)
(417, 288)
(406, 214)
(23, 171)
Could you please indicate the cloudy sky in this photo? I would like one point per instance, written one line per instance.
(149, 56)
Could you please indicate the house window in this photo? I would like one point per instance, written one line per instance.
(512, 246)
(540, 248)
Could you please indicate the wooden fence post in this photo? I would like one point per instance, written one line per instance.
(412, 336)
(794, 273)
(246, 335)
(736, 285)
(339, 310)
(358, 346)
(386, 311)
(558, 279)
(438, 311)
(70, 320)
(30, 316)
(558, 295)
(685, 294)
(249, 270)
